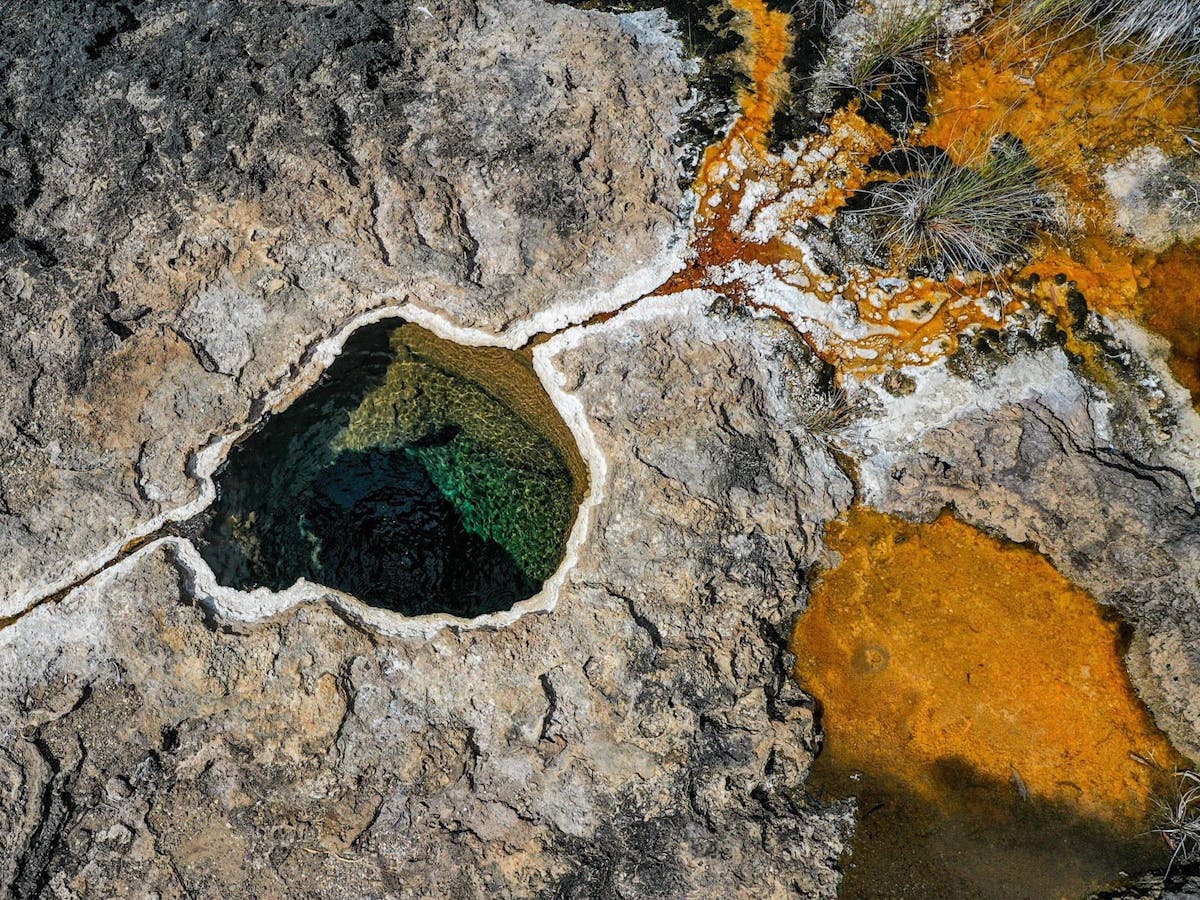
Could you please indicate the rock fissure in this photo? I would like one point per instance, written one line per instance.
(33, 867)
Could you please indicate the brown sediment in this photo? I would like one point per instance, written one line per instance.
(981, 698)
(508, 376)
(1170, 303)
(111, 400)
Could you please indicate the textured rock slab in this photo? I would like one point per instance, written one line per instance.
(644, 738)
(1029, 452)
(1156, 199)
(192, 194)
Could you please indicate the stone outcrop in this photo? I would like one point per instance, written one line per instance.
(194, 194)
(643, 739)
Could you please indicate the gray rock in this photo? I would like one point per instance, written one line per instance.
(1155, 198)
(193, 194)
(643, 739)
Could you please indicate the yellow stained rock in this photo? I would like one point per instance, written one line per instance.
(973, 696)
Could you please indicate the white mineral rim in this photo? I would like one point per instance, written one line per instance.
(249, 606)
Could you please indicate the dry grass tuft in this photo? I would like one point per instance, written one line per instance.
(1163, 33)
(893, 51)
(963, 218)
(1179, 819)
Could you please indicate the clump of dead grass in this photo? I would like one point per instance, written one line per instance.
(893, 50)
(952, 218)
(1179, 819)
(1158, 33)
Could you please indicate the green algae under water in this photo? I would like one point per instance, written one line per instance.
(418, 476)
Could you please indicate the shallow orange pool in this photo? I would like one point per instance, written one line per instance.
(976, 702)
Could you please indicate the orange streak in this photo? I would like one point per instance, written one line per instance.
(769, 41)
(1078, 114)
(772, 43)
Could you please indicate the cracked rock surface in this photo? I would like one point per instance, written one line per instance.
(193, 193)
(643, 739)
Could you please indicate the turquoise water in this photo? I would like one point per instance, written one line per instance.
(399, 480)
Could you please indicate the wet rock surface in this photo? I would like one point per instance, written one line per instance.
(1157, 198)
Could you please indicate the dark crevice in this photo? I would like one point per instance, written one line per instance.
(47, 257)
(34, 870)
(551, 706)
(645, 624)
(8, 217)
(120, 329)
(340, 138)
(127, 22)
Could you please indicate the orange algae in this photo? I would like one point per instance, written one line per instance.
(719, 182)
(1078, 114)
(771, 44)
(1170, 304)
(975, 701)
(1075, 111)
(753, 204)
(1160, 291)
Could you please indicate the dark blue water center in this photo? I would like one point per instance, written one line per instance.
(403, 480)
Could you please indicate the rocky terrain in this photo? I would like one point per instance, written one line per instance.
(200, 200)
(642, 739)
(198, 193)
